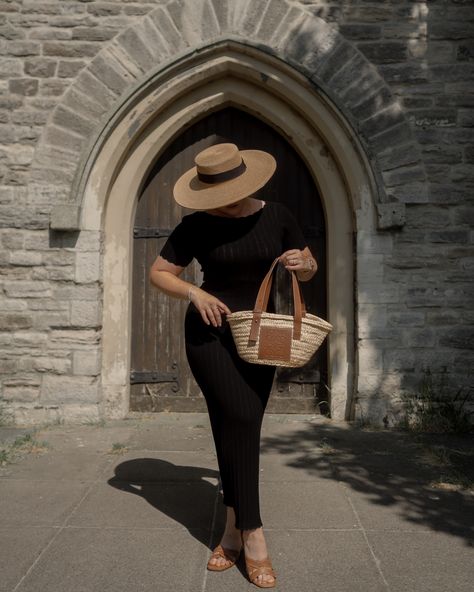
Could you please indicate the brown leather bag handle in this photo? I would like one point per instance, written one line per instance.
(263, 296)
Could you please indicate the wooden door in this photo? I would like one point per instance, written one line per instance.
(160, 377)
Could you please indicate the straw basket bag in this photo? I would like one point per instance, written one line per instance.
(274, 339)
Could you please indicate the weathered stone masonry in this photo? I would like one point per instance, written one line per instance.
(400, 73)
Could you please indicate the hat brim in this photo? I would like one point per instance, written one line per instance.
(190, 192)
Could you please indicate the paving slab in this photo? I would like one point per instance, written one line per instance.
(170, 505)
(32, 502)
(315, 504)
(425, 561)
(93, 559)
(20, 548)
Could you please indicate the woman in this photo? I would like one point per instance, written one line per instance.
(235, 237)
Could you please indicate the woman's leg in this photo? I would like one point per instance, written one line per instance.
(236, 393)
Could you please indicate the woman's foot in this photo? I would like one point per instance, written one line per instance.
(255, 547)
(230, 539)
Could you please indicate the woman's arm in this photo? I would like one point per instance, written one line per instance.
(303, 262)
(164, 276)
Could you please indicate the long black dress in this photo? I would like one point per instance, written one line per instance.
(235, 254)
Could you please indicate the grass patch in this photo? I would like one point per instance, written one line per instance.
(433, 409)
(22, 445)
(117, 448)
(455, 464)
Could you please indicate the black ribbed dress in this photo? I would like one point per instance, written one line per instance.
(235, 254)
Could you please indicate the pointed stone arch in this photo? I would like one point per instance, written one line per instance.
(142, 56)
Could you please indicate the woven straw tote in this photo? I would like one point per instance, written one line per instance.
(274, 339)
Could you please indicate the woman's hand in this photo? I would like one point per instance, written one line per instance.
(209, 306)
(302, 262)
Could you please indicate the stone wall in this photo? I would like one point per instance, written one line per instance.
(50, 300)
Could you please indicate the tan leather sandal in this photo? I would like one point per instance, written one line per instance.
(228, 554)
(256, 567)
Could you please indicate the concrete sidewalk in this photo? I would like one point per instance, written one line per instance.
(135, 505)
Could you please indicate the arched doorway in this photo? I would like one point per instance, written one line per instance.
(160, 377)
(147, 126)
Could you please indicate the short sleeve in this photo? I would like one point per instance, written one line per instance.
(178, 246)
(293, 237)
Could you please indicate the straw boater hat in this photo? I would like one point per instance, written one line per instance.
(223, 175)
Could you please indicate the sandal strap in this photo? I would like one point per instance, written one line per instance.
(261, 566)
(229, 554)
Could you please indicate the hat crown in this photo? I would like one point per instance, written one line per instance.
(218, 159)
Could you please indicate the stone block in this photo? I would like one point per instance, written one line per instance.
(82, 105)
(104, 8)
(86, 363)
(390, 215)
(407, 73)
(374, 243)
(69, 120)
(23, 86)
(154, 41)
(72, 389)
(52, 365)
(466, 117)
(20, 393)
(336, 57)
(362, 31)
(311, 44)
(93, 88)
(384, 52)
(427, 216)
(25, 288)
(10, 68)
(51, 320)
(23, 48)
(62, 139)
(445, 29)
(131, 41)
(9, 33)
(442, 155)
(221, 11)
(87, 267)
(25, 258)
(70, 68)
(449, 236)
(136, 10)
(29, 118)
(272, 18)
(71, 49)
(50, 34)
(370, 354)
(107, 69)
(96, 33)
(165, 25)
(425, 337)
(378, 293)
(65, 217)
(370, 268)
(457, 337)
(250, 18)
(404, 175)
(404, 319)
(12, 239)
(52, 88)
(398, 156)
(12, 321)
(30, 340)
(85, 313)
